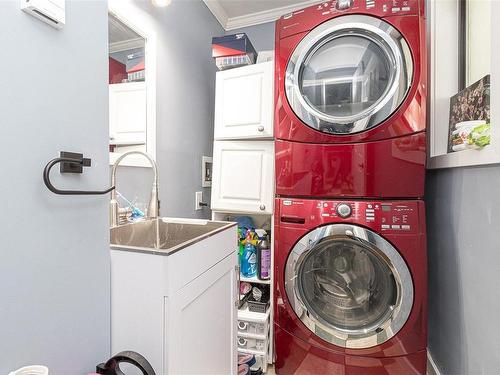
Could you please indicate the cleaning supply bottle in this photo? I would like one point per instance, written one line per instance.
(264, 260)
(249, 258)
(241, 243)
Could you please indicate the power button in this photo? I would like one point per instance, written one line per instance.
(344, 210)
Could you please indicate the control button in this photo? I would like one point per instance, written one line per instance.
(370, 4)
(343, 4)
(396, 226)
(395, 9)
(368, 210)
(385, 226)
(344, 210)
(405, 9)
(405, 227)
(384, 7)
(370, 214)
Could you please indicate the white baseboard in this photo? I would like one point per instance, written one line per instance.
(432, 369)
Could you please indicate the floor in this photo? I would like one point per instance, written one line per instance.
(270, 370)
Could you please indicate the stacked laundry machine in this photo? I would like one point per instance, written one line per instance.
(350, 243)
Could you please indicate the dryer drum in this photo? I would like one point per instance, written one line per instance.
(348, 75)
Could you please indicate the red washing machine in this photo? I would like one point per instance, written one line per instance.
(351, 287)
(350, 103)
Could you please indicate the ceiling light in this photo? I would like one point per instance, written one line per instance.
(161, 3)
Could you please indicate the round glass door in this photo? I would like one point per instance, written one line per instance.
(348, 75)
(349, 286)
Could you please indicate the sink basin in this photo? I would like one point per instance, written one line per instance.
(164, 235)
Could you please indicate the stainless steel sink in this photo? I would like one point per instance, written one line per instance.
(164, 235)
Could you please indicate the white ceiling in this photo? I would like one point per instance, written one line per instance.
(118, 31)
(121, 37)
(233, 14)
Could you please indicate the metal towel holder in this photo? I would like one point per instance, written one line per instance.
(70, 162)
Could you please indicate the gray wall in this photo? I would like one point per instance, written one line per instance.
(464, 269)
(261, 36)
(54, 258)
(185, 109)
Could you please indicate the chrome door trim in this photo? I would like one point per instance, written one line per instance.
(376, 30)
(355, 339)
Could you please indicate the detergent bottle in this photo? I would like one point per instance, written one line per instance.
(249, 258)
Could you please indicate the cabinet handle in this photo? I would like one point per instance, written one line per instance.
(262, 207)
(260, 128)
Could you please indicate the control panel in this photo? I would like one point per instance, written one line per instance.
(306, 19)
(381, 216)
(378, 7)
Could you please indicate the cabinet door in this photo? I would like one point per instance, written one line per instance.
(244, 102)
(201, 329)
(243, 176)
(127, 112)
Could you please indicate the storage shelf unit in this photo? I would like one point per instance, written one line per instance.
(243, 169)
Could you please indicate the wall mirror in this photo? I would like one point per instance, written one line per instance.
(132, 94)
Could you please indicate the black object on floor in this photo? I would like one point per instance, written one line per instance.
(112, 366)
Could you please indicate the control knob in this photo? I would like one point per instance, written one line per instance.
(343, 4)
(344, 210)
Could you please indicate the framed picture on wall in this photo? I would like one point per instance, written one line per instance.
(469, 125)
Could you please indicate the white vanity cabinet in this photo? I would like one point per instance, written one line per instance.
(243, 175)
(244, 102)
(178, 310)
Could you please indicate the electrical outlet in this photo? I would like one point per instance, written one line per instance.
(198, 198)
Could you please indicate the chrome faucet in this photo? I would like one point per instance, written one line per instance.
(153, 210)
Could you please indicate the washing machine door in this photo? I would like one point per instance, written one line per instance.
(348, 74)
(349, 286)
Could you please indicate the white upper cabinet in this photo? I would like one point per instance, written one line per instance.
(244, 102)
(127, 113)
(243, 176)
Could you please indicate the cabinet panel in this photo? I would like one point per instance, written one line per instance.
(244, 102)
(127, 112)
(243, 176)
(200, 339)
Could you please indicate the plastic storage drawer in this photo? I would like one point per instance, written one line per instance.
(253, 328)
(252, 344)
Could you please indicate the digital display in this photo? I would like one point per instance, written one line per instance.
(386, 208)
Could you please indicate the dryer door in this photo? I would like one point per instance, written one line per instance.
(349, 74)
(349, 286)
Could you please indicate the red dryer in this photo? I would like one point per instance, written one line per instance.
(351, 287)
(350, 103)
